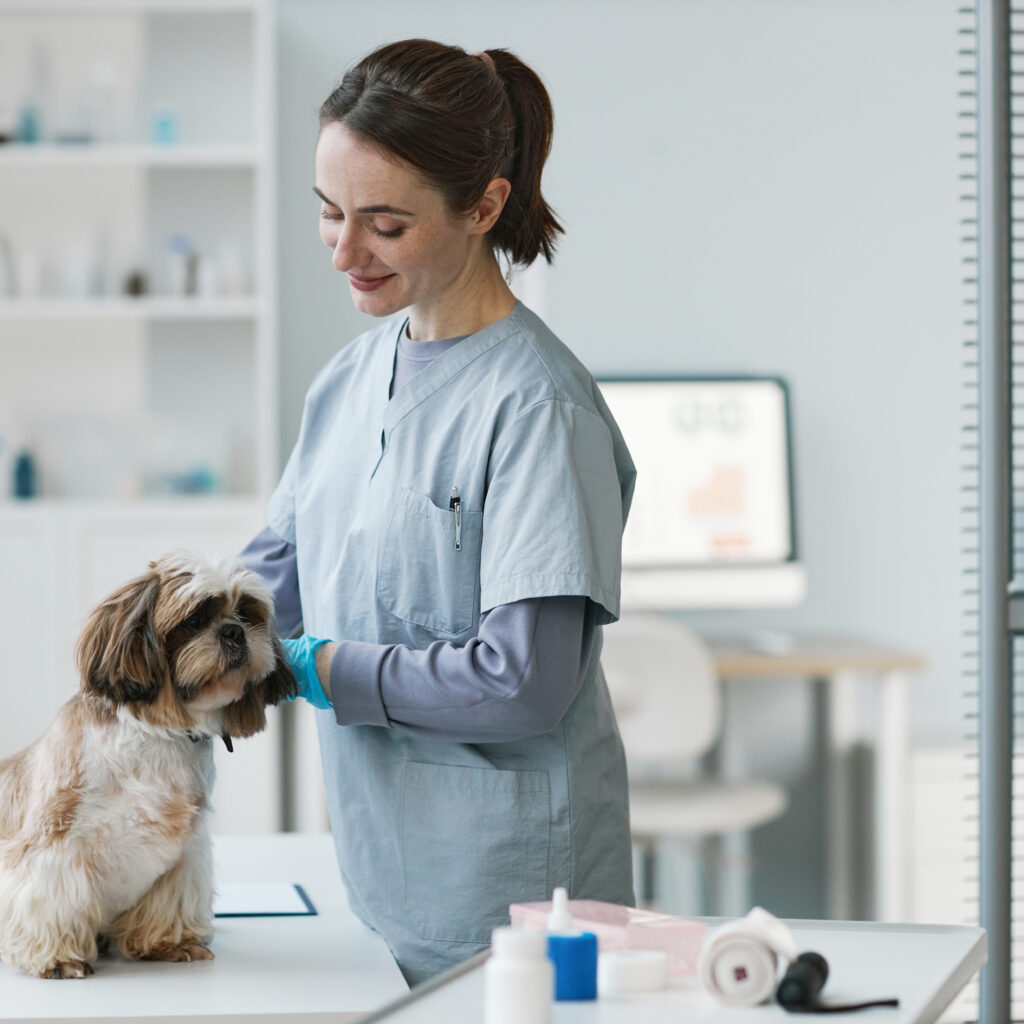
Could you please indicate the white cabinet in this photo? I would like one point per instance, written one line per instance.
(28, 626)
(137, 149)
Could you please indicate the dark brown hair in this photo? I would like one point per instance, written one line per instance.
(461, 120)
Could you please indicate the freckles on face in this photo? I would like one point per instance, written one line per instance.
(388, 231)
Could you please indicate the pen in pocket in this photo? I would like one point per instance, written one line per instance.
(455, 504)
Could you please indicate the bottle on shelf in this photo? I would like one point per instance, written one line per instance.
(24, 483)
(8, 270)
(165, 126)
(31, 118)
(8, 121)
(182, 263)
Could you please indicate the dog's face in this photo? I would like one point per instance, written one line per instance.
(186, 639)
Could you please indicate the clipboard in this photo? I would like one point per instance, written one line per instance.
(262, 899)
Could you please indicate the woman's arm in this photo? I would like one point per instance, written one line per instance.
(274, 559)
(515, 679)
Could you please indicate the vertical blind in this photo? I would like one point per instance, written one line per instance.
(1015, 398)
(967, 130)
(1015, 146)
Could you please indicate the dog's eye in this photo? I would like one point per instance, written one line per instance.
(201, 617)
(251, 613)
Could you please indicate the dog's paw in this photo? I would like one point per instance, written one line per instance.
(187, 951)
(67, 969)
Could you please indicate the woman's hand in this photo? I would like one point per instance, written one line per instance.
(310, 662)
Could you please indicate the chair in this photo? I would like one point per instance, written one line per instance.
(665, 692)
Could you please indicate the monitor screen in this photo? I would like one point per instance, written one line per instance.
(714, 472)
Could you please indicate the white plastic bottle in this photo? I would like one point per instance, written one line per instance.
(519, 978)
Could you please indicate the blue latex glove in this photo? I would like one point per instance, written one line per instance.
(301, 654)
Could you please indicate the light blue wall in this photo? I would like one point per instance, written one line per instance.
(746, 186)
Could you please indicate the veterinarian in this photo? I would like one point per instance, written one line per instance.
(450, 521)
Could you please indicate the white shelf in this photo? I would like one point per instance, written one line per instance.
(126, 6)
(143, 308)
(127, 155)
(200, 506)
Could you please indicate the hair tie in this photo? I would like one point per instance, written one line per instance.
(486, 58)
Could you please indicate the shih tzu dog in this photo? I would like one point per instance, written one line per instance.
(103, 834)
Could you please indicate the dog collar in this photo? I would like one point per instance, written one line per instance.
(198, 739)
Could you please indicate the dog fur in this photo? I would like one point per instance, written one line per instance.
(103, 831)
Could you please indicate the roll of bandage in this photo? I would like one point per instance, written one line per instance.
(739, 962)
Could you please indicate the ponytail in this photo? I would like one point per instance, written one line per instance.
(527, 226)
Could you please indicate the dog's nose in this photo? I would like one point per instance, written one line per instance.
(233, 633)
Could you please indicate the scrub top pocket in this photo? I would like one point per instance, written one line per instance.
(423, 578)
(498, 824)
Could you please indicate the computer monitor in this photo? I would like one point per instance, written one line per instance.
(713, 523)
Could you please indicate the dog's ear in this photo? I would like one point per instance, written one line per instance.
(247, 716)
(280, 684)
(119, 654)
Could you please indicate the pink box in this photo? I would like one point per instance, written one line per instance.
(624, 928)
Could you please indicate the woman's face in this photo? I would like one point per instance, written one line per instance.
(388, 231)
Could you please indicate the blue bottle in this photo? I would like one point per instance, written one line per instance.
(574, 953)
(28, 124)
(165, 127)
(24, 476)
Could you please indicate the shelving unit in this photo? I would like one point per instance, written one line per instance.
(90, 213)
(126, 154)
(128, 401)
(148, 308)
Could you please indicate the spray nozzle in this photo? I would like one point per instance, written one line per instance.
(560, 920)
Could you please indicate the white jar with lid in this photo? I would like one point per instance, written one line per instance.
(519, 978)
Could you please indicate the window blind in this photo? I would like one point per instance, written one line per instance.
(966, 1008)
(967, 118)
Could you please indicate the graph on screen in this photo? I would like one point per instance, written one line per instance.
(714, 482)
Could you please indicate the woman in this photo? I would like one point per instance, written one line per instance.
(450, 521)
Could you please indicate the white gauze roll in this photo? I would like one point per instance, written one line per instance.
(631, 970)
(739, 961)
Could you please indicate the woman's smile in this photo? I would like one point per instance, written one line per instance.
(368, 284)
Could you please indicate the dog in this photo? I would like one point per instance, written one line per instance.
(103, 820)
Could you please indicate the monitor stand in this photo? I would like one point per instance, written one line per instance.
(772, 586)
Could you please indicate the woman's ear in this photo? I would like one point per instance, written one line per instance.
(488, 210)
(119, 653)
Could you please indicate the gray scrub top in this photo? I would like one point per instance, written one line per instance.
(435, 838)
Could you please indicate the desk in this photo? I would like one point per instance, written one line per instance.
(840, 666)
(925, 966)
(269, 969)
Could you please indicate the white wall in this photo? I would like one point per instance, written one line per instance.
(746, 186)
